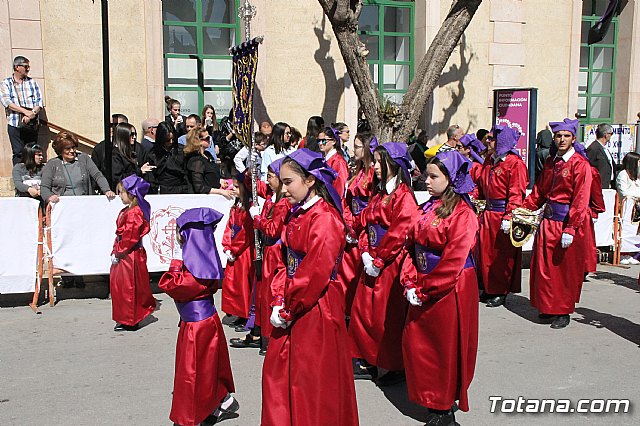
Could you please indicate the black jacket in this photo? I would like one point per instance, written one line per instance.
(169, 176)
(599, 159)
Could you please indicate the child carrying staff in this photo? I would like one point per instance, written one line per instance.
(440, 339)
(269, 221)
(131, 297)
(307, 377)
(203, 378)
(238, 244)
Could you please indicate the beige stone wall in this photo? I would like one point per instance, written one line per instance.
(72, 42)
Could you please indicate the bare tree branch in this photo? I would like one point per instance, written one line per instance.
(426, 76)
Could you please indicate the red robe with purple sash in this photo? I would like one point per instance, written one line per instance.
(239, 275)
(270, 222)
(131, 297)
(379, 307)
(557, 273)
(499, 262)
(440, 340)
(339, 164)
(203, 371)
(357, 197)
(307, 377)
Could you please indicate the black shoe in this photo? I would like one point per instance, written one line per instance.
(220, 415)
(496, 301)
(435, 419)
(229, 319)
(240, 328)
(484, 296)
(122, 327)
(247, 342)
(263, 352)
(391, 378)
(360, 372)
(546, 318)
(561, 321)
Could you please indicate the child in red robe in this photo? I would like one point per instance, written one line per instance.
(238, 244)
(203, 378)
(440, 339)
(307, 377)
(131, 297)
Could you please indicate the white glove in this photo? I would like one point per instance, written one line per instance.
(254, 211)
(351, 240)
(177, 251)
(114, 260)
(413, 298)
(366, 258)
(371, 270)
(230, 257)
(566, 240)
(276, 320)
(505, 226)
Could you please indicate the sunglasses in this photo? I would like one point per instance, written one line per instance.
(459, 147)
(134, 135)
(204, 138)
(491, 138)
(324, 141)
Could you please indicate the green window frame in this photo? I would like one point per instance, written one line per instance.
(198, 72)
(596, 86)
(386, 28)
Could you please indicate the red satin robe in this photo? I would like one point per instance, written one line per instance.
(557, 273)
(475, 171)
(239, 275)
(351, 269)
(596, 206)
(339, 164)
(270, 223)
(307, 377)
(440, 339)
(499, 262)
(131, 297)
(203, 371)
(379, 307)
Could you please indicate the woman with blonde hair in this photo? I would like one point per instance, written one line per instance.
(203, 173)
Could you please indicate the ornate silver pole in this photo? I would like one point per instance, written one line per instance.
(247, 12)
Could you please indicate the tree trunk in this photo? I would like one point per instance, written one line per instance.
(391, 122)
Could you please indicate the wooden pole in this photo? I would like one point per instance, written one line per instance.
(40, 265)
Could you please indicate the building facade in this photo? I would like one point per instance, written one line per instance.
(179, 48)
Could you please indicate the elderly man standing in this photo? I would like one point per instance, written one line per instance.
(454, 133)
(560, 247)
(149, 127)
(601, 158)
(22, 100)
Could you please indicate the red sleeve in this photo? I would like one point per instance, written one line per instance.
(278, 282)
(244, 238)
(408, 272)
(343, 175)
(517, 189)
(402, 218)
(272, 228)
(180, 285)
(348, 216)
(579, 206)
(461, 235)
(325, 241)
(133, 228)
(597, 199)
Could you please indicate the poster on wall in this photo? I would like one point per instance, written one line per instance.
(622, 142)
(517, 108)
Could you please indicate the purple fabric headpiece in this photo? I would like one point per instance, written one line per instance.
(313, 162)
(399, 152)
(506, 139)
(275, 165)
(566, 125)
(199, 252)
(336, 136)
(373, 144)
(139, 188)
(458, 166)
(471, 141)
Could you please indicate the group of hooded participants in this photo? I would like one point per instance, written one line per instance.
(356, 279)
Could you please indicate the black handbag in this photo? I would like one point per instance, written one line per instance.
(32, 126)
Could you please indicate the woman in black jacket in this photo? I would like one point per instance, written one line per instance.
(169, 176)
(203, 173)
(126, 159)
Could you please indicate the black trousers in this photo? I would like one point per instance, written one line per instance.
(19, 138)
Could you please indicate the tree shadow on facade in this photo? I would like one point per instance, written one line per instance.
(456, 73)
(332, 84)
(621, 326)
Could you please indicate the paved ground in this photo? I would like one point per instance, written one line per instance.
(67, 366)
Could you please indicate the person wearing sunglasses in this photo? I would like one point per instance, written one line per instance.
(22, 100)
(330, 145)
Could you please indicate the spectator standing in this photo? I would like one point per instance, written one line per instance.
(192, 122)
(241, 160)
(600, 157)
(128, 156)
(314, 125)
(175, 119)
(22, 100)
(203, 173)
(279, 146)
(169, 176)
(99, 150)
(27, 175)
(149, 127)
(544, 139)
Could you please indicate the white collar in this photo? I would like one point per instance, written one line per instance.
(496, 160)
(273, 197)
(392, 184)
(567, 155)
(330, 154)
(311, 202)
